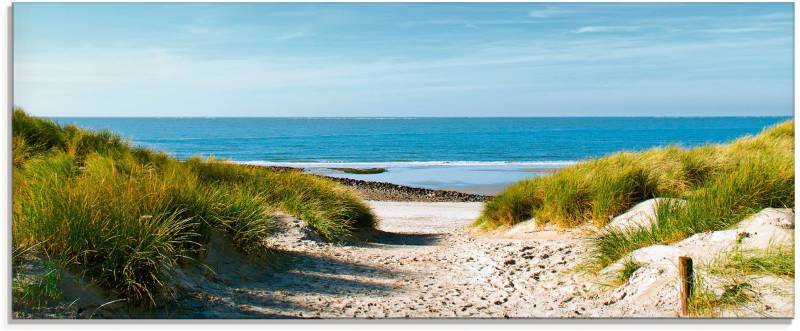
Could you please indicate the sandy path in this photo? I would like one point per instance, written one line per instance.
(423, 264)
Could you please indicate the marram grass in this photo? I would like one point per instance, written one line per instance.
(125, 217)
(722, 184)
(736, 275)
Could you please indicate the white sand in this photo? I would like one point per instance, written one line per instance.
(425, 217)
(426, 263)
(423, 263)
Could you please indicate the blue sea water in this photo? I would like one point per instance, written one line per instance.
(471, 154)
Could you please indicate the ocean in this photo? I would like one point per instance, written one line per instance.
(468, 154)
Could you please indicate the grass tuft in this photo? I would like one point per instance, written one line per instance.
(596, 190)
(38, 290)
(125, 217)
(734, 275)
(777, 263)
(628, 268)
(722, 184)
(755, 182)
(736, 293)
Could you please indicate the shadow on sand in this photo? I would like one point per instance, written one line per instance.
(239, 288)
(279, 293)
(410, 239)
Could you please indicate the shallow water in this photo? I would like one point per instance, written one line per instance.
(470, 179)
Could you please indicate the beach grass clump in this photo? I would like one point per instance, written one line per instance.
(37, 290)
(777, 263)
(566, 202)
(335, 212)
(126, 217)
(721, 184)
(624, 274)
(774, 261)
(513, 205)
(592, 191)
(735, 293)
(615, 192)
(224, 208)
(755, 182)
(43, 134)
(610, 246)
(119, 230)
(599, 189)
(736, 276)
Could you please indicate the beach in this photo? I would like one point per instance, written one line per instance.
(406, 239)
(401, 161)
(423, 263)
(425, 260)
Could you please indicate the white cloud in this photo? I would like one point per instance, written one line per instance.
(600, 29)
(467, 23)
(175, 75)
(297, 33)
(547, 12)
(737, 30)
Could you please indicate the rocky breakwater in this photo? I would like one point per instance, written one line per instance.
(381, 191)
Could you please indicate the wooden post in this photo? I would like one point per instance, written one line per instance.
(686, 274)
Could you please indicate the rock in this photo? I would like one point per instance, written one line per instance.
(388, 191)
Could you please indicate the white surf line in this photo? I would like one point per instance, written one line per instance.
(411, 164)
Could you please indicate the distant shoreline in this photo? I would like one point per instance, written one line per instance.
(374, 184)
(528, 165)
(382, 191)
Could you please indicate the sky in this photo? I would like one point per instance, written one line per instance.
(495, 59)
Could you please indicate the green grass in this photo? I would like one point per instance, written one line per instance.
(734, 273)
(125, 217)
(335, 212)
(37, 290)
(362, 171)
(775, 261)
(755, 183)
(778, 263)
(736, 293)
(628, 268)
(722, 184)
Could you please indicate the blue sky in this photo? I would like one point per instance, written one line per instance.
(514, 59)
